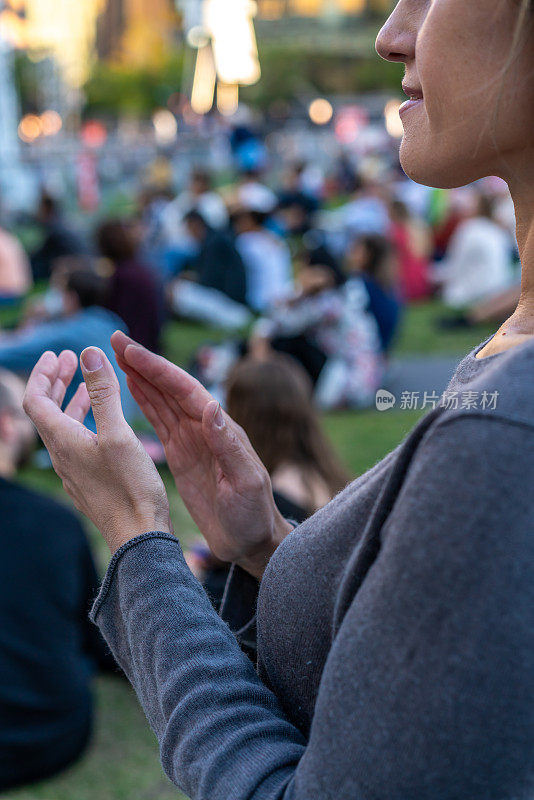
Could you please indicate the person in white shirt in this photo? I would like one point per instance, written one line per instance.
(478, 263)
(199, 196)
(252, 193)
(266, 257)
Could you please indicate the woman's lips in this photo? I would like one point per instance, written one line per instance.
(410, 104)
(415, 93)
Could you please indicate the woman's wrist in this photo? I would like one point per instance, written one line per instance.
(123, 530)
(256, 563)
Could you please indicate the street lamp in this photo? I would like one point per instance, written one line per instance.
(223, 33)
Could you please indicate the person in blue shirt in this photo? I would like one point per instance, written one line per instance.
(370, 257)
(78, 294)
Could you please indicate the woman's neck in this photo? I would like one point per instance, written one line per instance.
(522, 320)
(519, 327)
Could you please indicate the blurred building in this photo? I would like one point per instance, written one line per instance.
(315, 25)
(110, 29)
(320, 25)
(136, 31)
(63, 29)
(326, 10)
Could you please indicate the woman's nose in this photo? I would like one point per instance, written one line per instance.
(396, 39)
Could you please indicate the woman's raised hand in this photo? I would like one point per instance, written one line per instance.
(109, 476)
(223, 483)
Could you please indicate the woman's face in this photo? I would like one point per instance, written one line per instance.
(473, 120)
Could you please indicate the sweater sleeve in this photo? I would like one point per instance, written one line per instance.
(222, 734)
(428, 690)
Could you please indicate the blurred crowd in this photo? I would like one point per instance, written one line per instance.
(309, 271)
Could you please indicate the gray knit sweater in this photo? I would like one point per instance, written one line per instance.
(395, 627)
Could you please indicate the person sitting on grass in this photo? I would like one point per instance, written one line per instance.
(49, 652)
(216, 287)
(370, 258)
(134, 290)
(59, 239)
(331, 331)
(266, 257)
(478, 262)
(78, 293)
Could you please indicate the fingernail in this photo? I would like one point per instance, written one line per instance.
(92, 360)
(218, 419)
(132, 346)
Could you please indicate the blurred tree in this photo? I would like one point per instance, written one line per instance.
(26, 82)
(117, 89)
(288, 73)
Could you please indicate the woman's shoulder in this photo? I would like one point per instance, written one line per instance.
(499, 385)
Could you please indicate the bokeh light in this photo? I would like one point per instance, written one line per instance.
(230, 23)
(350, 122)
(227, 99)
(94, 134)
(204, 81)
(51, 123)
(321, 111)
(165, 126)
(30, 128)
(197, 37)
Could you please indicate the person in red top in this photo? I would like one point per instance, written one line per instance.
(412, 244)
(135, 294)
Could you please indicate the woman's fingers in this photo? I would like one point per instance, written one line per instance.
(237, 463)
(38, 402)
(67, 364)
(160, 409)
(162, 431)
(104, 393)
(162, 403)
(120, 341)
(137, 384)
(79, 405)
(168, 378)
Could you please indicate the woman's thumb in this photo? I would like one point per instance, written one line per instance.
(103, 390)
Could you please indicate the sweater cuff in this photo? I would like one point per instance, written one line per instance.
(110, 572)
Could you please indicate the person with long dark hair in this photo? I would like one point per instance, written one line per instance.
(271, 400)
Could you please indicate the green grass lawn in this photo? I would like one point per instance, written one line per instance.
(421, 336)
(123, 763)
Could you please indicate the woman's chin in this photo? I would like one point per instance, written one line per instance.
(426, 169)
